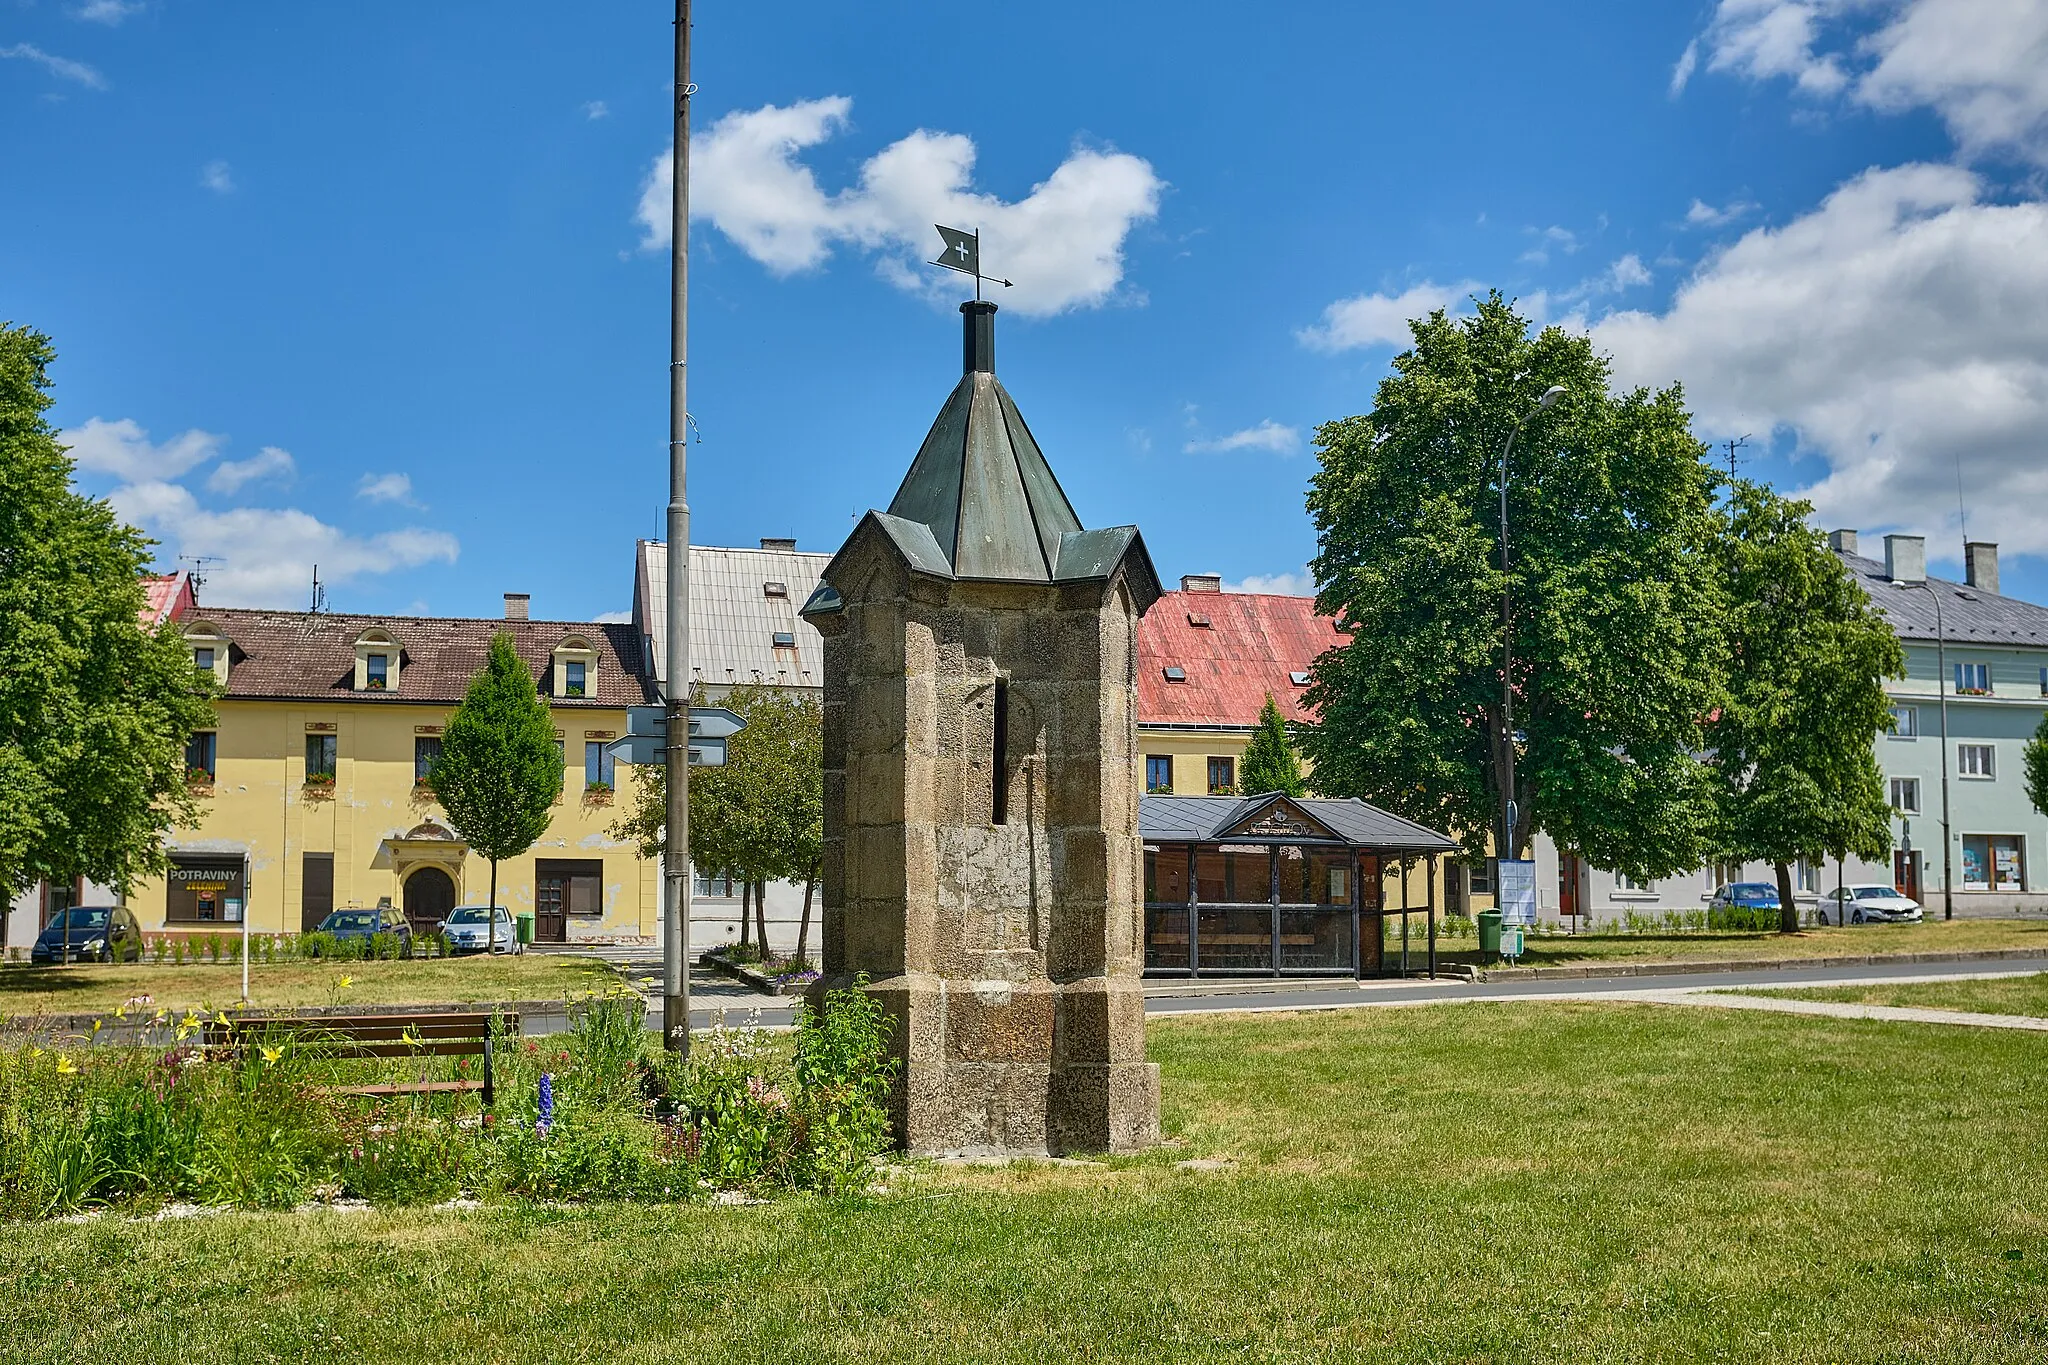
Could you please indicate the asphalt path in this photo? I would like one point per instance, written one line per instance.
(716, 999)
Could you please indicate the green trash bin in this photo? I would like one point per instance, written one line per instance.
(526, 928)
(1489, 932)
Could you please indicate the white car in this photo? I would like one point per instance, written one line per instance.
(468, 930)
(1873, 904)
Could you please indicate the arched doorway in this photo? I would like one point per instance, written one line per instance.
(429, 896)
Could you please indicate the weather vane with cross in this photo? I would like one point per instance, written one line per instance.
(963, 253)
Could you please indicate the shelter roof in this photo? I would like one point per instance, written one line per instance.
(1234, 648)
(1215, 819)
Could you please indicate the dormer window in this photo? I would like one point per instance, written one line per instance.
(1176, 674)
(575, 669)
(202, 659)
(785, 639)
(773, 589)
(378, 661)
(1298, 677)
(1197, 620)
(209, 651)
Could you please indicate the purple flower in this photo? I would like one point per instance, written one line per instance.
(547, 1104)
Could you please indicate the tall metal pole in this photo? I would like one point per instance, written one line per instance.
(675, 973)
(1508, 848)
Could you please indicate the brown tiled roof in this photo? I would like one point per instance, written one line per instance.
(311, 655)
(1249, 645)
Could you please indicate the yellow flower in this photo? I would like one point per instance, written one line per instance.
(121, 1011)
(66, 1067)
(191, 1022)
(345, 983)
(96, 1025)
(220, 1017)
(272, 1054)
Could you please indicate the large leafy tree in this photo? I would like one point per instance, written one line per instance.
(761, 816)
(95, 707)
(1615, 604)
(499, 771)
(1270, 763)
(1807, 658)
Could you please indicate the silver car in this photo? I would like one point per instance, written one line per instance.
(468, 930)
(1872, 904)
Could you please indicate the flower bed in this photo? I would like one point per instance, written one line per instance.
(586, 1115)
(771, 975)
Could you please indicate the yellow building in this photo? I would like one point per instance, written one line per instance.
(311, 783)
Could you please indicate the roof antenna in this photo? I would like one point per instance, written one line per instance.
(1962, 512)
(1738, 443)
(319, 592)
(197, 573)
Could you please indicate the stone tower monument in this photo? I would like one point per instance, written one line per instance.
(981, 805)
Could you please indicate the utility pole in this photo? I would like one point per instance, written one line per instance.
(1734, 445)
(675, 966)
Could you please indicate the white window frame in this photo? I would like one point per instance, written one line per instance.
(1979, 679)
(1901, 788)
(1905, 722)
(1978, 762)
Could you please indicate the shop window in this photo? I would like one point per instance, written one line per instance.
(1994, 862)
(1973, 680)
(425, 749)
(1905, 722)
(322, 754)
(1977, 760)
(1906, 795)
(199, 756)
(1159, 773)
(1222, 776)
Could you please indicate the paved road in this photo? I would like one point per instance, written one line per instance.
(713, 995)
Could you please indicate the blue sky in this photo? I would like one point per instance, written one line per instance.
(368, 284)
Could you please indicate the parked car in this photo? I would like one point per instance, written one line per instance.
(468, 930)
(1747, 895)
(361, 925)
(89, 933)
(1873, 904)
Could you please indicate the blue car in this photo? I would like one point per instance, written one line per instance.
(1747, 895)
(89, 933)
(361, 925)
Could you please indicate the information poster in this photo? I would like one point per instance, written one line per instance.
(1517, 891)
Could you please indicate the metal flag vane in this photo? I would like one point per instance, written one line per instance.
(963, 253)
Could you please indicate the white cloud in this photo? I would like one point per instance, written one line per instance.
(108, 12)
(1896, 329)
(597, 109)
(214, 175)
(1380, 319)
(395, 488)
(1268, 435)
(267, 555)
(269, 462)
(1703, 214)
(613, 618)
(1688, 62)
(1982, 65)
(124, 450)
(61, 67)
(1627, 273)
(1063, 243)
(1548, 239)
(1301, 584)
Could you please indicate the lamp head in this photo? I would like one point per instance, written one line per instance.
(1550, 396)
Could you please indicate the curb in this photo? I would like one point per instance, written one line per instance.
(1478, 974)
(739, 971)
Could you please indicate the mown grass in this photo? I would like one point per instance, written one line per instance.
(1571, 950)
(2026, 995)
(1453, 1183)
(26, 992)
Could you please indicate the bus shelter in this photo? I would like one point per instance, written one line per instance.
(1276, 885)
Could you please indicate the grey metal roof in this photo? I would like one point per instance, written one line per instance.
(1206, 819)
(1968, 615)
(733, 620)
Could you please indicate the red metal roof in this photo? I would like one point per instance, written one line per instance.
(166, 597)
(1251, 643)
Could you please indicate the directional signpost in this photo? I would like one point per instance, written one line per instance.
(646, 739)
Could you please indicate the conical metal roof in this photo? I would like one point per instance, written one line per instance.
(980, 483)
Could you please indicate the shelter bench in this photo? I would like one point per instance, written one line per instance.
(448, 1034)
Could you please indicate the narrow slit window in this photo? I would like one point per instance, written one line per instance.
(1000, 744)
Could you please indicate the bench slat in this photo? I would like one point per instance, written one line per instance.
(408, 1088)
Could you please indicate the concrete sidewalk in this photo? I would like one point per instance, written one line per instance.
(1840, 1009)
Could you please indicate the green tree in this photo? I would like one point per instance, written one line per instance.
(95, 707)
(499, 770)
(1616, 608)
(761, 816)
(1270, 763)
(2036, 762)
(1792, 745)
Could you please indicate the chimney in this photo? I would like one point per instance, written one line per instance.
(1842, 542)
(1201, 582)
(1905, 559)
(980, 328)
(777, 543)
(1980, 565)
(516, 604)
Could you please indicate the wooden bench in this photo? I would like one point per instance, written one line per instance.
(449, 1034)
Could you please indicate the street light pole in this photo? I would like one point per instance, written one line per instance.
(1948, 892)
(1507, 848)
(675, 967)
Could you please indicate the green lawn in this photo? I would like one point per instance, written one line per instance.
(29, 991)
(2000, 995)
(1558, 950)
(1482, 1183)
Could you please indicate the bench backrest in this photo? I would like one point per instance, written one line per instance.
(451, 1034)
